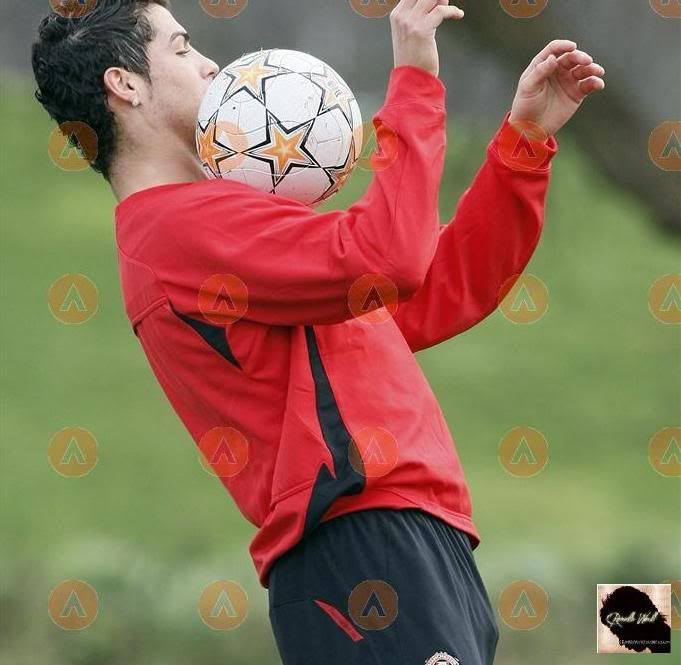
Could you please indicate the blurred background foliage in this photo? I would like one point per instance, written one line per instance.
(598, 375)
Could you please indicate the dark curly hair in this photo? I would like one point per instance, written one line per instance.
(71, 55)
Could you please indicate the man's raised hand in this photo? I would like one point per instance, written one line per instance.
(414, 24)
(554, 86)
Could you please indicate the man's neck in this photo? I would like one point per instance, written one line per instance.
(131, 174)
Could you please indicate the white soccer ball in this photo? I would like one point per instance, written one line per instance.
(283, 122)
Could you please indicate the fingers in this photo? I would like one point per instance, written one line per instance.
(542, 71)
(584, 71)
(587, 73)
(405, 5)
(591, 84)
(443, 12)
(561, 54)
(419, 6)
(573, 58)
(557, 47)
(430, 13)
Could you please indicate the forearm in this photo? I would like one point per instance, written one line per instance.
(492, 236)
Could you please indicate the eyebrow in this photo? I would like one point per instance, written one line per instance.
(179, 33)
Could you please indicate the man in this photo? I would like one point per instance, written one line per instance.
(364, 561)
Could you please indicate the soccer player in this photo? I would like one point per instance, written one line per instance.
(340, 454)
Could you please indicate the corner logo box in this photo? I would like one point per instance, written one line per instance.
(634, 618)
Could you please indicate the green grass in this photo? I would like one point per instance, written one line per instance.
(149, 528)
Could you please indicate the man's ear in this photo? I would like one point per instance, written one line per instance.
(122, 86)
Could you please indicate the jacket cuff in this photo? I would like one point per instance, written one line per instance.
(409, 83)
(521, 151)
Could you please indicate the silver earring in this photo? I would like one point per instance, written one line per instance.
(136, 102)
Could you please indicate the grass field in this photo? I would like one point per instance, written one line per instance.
(598, 375)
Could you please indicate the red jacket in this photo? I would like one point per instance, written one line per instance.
(242, 302)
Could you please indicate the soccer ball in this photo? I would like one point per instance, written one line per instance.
(283, 122)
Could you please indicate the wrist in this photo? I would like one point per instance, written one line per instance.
(423, 67)
(523, 145)
(409, 82)
(530, 127)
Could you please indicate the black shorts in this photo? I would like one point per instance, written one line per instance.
(382, 587)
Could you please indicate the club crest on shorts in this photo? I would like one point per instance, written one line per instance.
(442, 658)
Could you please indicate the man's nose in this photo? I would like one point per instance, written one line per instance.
(211, 68)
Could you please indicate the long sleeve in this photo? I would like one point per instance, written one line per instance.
(493, 235)
(298, 265)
